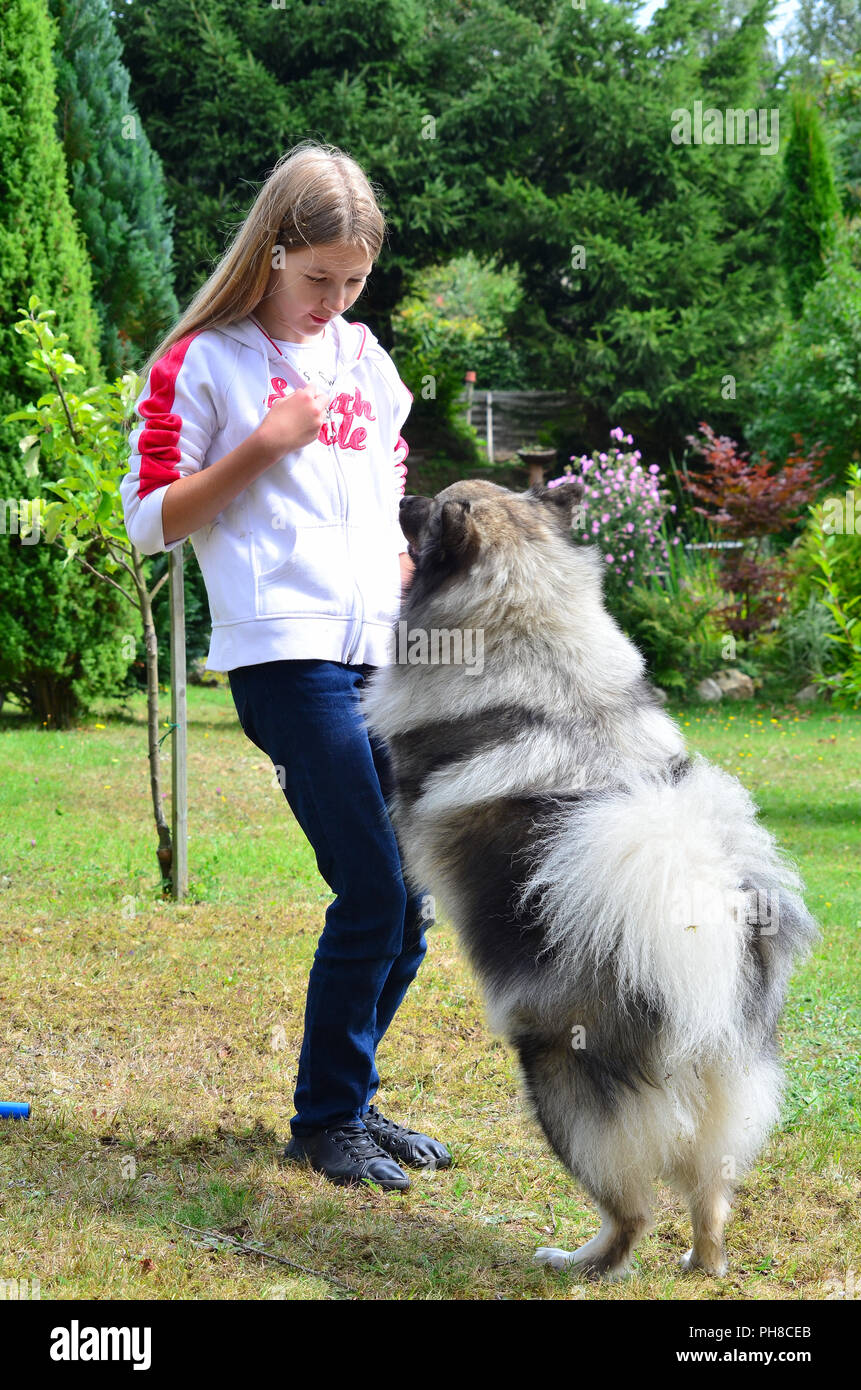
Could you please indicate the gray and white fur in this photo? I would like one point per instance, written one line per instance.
(632, 925)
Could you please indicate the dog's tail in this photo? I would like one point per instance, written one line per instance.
(685, 895)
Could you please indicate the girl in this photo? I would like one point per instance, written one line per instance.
(271, 436)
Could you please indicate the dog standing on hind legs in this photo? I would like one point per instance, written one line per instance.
(632, 924)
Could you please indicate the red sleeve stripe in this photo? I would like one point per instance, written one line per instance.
(158, 443)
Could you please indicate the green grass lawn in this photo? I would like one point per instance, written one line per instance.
(157, 1044)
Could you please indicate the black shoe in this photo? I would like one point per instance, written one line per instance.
(347, 1154)
(406, 1145)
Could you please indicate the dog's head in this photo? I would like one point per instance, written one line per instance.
(480, 525)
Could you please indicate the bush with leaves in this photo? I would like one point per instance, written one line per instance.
(827, 566)
(675, 633)
(752, 502)
(454, 320)
(624, 511)
(803, 649)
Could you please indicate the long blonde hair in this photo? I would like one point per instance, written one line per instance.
(315, 195)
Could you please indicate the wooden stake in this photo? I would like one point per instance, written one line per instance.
(179, 761)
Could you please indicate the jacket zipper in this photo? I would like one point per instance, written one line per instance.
(356, 630)
(358, 604)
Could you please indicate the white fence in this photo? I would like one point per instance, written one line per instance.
(506, 420)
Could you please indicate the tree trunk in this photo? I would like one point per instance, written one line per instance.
(52, 701)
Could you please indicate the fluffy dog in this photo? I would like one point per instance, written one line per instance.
(632, 925)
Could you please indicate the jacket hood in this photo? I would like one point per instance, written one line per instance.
(353, 342)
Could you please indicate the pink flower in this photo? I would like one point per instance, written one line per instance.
(608, 559)
(653, 468)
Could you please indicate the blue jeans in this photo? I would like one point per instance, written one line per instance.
(305, 715)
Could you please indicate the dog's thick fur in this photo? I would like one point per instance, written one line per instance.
(632, 925)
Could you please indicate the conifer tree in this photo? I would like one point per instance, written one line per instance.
(810, 202)
(61, 638)
(117, 185)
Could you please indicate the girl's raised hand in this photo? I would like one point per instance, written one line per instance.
(293, 421)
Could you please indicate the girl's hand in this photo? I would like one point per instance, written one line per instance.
(292, 422)
(195, 500)
(408, 569)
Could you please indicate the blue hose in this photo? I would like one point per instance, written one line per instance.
(14, 1110)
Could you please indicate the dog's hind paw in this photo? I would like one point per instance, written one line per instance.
(690, 1260)
(584, 1263)
(556, 1259)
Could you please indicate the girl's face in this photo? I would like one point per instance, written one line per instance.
(310, 286)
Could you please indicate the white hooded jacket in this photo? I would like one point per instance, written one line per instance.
(304, 562)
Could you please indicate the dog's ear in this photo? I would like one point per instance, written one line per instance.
(458, 535)
(561, 501)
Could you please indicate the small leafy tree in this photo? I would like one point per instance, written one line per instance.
(82, 440)
(750, 502)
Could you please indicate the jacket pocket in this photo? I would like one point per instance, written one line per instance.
(313, 579)
(378, 568)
